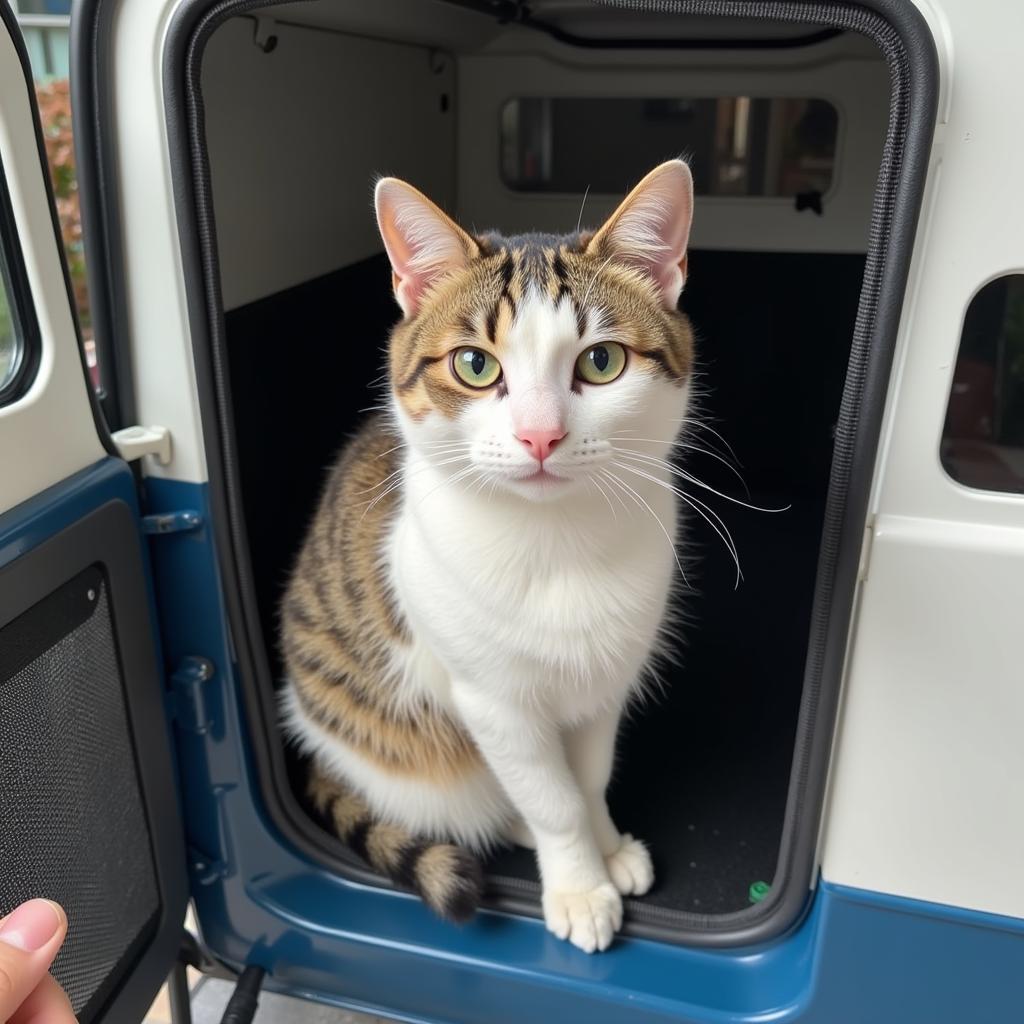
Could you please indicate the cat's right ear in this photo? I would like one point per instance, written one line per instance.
(422, 241)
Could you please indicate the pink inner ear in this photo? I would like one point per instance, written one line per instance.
(671, 284)
(651, 228)
(408, 292)
(422, 243)
(670, 279)
(665, 228)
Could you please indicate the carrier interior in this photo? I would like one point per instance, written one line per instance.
(307, 103)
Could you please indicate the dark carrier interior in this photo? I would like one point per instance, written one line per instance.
(506, 117)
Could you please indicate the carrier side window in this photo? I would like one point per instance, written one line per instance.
(983, 438)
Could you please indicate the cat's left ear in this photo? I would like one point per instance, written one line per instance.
(422, 241)
(650, 229)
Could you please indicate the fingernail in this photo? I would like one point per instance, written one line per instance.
(30, 926)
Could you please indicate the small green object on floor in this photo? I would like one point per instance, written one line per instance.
(758, 891)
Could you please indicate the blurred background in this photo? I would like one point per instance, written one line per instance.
(46, 26)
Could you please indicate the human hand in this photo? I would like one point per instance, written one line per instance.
(30, 936)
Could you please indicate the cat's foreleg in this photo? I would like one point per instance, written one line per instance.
(590, 748)
(527, 756)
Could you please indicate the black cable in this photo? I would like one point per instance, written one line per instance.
(242, 1005)
(178, 994)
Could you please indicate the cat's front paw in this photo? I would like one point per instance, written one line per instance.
(588, 919)
(630, 867)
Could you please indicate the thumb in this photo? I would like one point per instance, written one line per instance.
(29, 939)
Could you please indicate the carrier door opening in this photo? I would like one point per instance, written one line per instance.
(538, 127)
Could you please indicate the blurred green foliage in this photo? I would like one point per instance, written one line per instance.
(55, 112)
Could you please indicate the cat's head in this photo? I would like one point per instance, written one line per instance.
(525, 361)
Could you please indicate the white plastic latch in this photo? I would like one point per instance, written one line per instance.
(134, 442)
(865, 550)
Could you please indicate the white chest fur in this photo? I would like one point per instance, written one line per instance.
(558, 605)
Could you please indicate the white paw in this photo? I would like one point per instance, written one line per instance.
(630, 867)
(587, 919)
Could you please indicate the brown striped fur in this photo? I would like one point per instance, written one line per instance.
(338, 621)
(447, 878)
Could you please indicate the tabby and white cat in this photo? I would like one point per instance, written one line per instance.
(473, 607)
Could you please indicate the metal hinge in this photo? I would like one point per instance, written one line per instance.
(172, 522)
(207, 868)
(134, 442)
(188, 682)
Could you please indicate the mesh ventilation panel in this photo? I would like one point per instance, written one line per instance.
(73, 823)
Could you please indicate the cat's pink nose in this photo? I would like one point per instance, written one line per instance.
(540, 443)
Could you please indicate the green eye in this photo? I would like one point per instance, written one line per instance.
(475, 367)
(601, 364)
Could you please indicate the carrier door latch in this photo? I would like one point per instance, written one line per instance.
(134, 442)
(865, 550)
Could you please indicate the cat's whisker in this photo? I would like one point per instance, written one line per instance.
(403, 475)
(618, 497)
(689, 498)
(657, 519)
(427, 444)
(579, 219)
(593, 480)
(449, 481)
(481, 483)
(620, 487)
(693, 448)
(604, 493)
(706, 513)
(405, 468)
(593, 280)
(693, 422)
(451, 457)
(676, 441)
(689, 478)
(373, 502)
(383, 483)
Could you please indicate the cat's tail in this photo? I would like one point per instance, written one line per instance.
(446, 877)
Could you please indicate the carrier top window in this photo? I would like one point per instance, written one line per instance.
(736, 145)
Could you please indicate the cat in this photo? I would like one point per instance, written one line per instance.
(475, 604)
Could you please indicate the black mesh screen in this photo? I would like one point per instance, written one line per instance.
(73, 823)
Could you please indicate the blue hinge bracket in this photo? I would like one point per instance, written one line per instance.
(172, 522)
(207, 869)
(188, 682)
